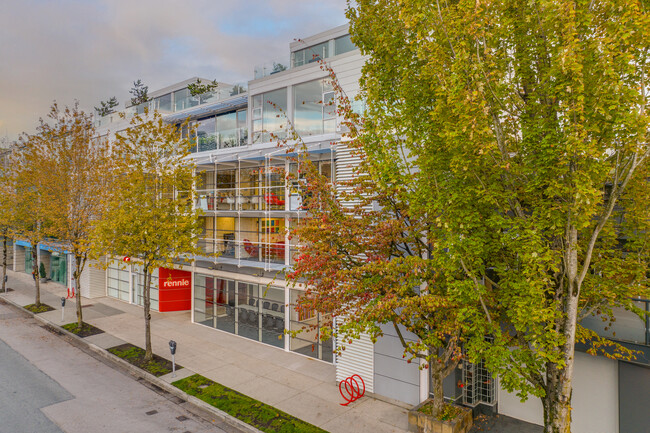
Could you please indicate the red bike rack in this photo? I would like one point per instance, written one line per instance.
(71, 294)
(353, 391)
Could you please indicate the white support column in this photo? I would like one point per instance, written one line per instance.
(287, 316)
(424, 381)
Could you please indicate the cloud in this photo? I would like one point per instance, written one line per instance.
(91, 50)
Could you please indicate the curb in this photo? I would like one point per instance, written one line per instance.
(135, 371)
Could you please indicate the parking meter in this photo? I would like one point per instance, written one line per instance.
(172, 349)
(62, 307)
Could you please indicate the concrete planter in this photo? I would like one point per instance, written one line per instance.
(420, 422)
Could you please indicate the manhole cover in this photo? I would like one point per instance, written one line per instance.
(182, 418)
(152, 412)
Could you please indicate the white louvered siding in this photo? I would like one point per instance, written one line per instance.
(19, 259)
(357, 358)
(346, 164)
(85, 282)
(97, 282)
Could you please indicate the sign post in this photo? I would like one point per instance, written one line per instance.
(172, 349)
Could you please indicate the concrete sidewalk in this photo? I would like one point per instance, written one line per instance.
(301, 386)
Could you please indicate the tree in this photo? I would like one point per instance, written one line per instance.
(199, 88)
(528, 125)
(6, 210)
(140, 93)
(25, 183)
(366, 255)
(78, 167)
(149, 215)
(106, 107)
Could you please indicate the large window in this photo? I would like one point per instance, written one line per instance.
(246, 309)
(269, 116)
(118, 282)
(223, 131)
(309, 341)
(314, 108)
(324, 50)
(310, 54)
(343, 44)
(206, 134)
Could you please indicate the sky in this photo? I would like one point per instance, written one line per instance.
(91, 50)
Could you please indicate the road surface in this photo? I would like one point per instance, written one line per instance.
(50, 386)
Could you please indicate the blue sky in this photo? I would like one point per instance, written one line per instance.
(91, 50)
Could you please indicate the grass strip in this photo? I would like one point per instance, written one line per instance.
(43, 308)
(251, 411)
(134, 355)
(86, 329)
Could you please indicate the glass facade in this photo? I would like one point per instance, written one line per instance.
(250, 310)
(314, 108)
(129, 286)
(322, 51)
(269, 116)
(59, 269)
(117, 282)
(221, 132)
(308, 341)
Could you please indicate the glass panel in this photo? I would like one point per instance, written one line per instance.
(314, 108)
(273, 107)
(227, 129)
(206, 134)
(343, 45)
(225, 304)
(165, 103)
(183, 100)
(307, 112)
(248, 316)
(273, 312)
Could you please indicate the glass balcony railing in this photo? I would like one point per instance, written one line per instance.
(627, 327)
(221, 140)
(244, 249)
(270, 68)
(175, 101)
(242, 199)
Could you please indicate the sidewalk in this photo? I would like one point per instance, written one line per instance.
(298, 385)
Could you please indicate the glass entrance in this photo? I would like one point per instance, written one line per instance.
(29, 261)
(58, 269)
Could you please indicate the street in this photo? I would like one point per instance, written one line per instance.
(48, 386)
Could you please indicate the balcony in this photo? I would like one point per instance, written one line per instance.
(242, 199)
(270, 68)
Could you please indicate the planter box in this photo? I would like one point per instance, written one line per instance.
(420, 422)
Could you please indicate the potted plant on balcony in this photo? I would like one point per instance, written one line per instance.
(42, 273)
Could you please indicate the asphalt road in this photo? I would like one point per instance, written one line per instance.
(50, 386)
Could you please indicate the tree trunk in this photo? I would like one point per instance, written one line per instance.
(4, 261)
(557, 402)
(148, 355)
(77, 283)
(438, 395)
(37, 302)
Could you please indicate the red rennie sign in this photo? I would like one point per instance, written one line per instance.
(175, 290)
(185, 282)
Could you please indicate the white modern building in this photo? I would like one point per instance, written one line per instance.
(249, 206)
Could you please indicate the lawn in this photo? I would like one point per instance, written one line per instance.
(134, 355)
(43, 308)
(86, 329)
(251, 411)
